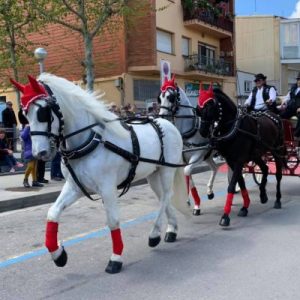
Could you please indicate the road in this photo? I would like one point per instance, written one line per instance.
(257, 258)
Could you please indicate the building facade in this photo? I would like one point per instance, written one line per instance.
(289, 51)
(269, 45)
(197, 44)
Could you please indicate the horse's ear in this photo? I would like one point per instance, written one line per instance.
(200, 86)
(17, 85)
(35, 85)
(173, 78)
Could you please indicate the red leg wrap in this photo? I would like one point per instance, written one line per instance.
(117, 241)
(246, 198)
(187, 181)
(227, 208)
(51, 236)
(195, 195)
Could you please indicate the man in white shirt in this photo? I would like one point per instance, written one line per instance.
(263, 96)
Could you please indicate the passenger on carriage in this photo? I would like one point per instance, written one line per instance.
(263, 96)
(291, 105)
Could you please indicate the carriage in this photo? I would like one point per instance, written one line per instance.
(292, 153)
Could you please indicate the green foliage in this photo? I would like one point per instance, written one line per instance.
(90, 18)
(17, 20)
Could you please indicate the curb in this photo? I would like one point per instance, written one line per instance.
(30, 201)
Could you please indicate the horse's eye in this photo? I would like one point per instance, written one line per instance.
(158, 100)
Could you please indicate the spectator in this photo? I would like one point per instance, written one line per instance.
(29, 159)
(41, 171)
(22, 119)
(6, 154)
(9, 121)
(56, 173)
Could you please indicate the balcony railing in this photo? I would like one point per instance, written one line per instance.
(209, 17)
(208, 65)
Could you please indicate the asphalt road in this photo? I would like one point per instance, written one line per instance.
(257, 258)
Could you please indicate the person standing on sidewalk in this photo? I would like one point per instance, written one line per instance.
(7, 154)
(56, 173)
(10, 122)
(31, 161)
(41, 166)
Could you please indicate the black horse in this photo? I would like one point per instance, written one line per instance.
(241, 137)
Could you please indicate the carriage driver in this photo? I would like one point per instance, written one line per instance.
(263, 96)
(291, 105)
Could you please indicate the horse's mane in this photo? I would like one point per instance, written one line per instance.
(223, 98)
(69, 95)
(183, 97)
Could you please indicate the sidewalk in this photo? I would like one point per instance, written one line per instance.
(15, 196)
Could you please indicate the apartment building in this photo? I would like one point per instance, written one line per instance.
(269, 45)
(197, 43)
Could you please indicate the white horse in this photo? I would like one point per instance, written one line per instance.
(175, 105)
(56, 107)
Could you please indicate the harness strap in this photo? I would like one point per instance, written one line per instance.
(160, 134)
(88, 146)
(125, 185)
(75, 178)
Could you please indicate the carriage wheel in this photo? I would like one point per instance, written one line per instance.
(257, 178)
(293, 162)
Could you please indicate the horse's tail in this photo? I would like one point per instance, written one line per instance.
(180, 196)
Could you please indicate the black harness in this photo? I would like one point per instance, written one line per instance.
(175, 105)
(44, 114)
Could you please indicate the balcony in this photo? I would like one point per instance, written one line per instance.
(204, 20)
(208, 65)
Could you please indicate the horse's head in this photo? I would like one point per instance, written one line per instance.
(217, 111)
(44, 117)
(169, 98)
(208, 108)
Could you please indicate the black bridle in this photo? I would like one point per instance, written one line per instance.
(174, 99)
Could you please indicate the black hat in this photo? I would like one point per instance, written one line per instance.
(298, 76)
(260, 76)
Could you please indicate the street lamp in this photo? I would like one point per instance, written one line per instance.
(40, 54)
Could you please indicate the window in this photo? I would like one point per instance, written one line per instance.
(185, 46)
(164, 41)
(145, 89)
(247, 86)
(206, 54)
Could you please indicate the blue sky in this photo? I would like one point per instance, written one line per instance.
(283, 8)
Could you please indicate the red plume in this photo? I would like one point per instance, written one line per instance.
(205, 96)
(17, 85)
(35, 85)
(168, 84)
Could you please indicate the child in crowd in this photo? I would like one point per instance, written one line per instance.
(31, 161)
(7, 154)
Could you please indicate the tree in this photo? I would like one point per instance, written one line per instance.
(88, 18)
(16, 21)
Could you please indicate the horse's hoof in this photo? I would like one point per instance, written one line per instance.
(225, 221)
(264, 199)
(61, 261)
(196, 212)
(277, 205)
(113, 267)
(210, 196)
(153, 242)
(243, 212)
(170, 237)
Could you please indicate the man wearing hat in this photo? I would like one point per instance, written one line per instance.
(9, 121)
(291, 103)
(263, 96)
